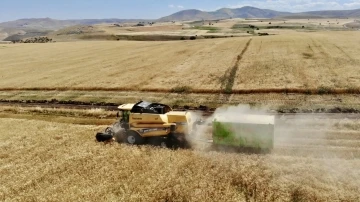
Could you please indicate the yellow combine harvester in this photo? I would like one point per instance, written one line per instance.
(151, 123)
(157, 124)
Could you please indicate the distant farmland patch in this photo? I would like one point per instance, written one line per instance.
(28, 34)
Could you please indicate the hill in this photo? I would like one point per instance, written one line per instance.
(53, 24)
(23, 28)
(252, 12)
(244, 12)
(335, 13)
(247, 12)
(186, 15)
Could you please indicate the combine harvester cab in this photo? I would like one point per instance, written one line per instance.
(243, 133)
(153, 123)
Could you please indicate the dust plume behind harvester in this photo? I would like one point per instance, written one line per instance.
(159, 125)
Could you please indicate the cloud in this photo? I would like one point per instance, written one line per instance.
(299, 5)
(176, 6)
(353, 4)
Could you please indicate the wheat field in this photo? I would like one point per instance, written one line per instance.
(114, 64)
(42, 161)
(301, 61)
(51, 154)
(296, 60)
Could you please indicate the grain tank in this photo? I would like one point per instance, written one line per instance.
(254, 132)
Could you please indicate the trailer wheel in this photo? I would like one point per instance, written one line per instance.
(158, 141)
(133, 138)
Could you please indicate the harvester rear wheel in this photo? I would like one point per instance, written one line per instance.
(134, 138)
(158, 141)
(177, 141)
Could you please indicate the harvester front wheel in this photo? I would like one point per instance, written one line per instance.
(134, 138)
(110, 131)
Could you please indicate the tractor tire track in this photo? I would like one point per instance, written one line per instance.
(230, 74)
(345, 53)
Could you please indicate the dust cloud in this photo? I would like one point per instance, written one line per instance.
(310, 150)
(202, 134)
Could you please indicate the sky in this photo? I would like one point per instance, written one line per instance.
(149, 9)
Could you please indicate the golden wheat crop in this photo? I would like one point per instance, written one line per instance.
(297, 61)
(44, 161)
(158, 65)
(302, 61)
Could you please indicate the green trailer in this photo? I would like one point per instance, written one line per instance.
(254, 132)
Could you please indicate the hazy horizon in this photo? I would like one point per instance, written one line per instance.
(150, 9)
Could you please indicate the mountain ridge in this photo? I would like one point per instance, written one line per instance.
(28, 27)
(49, 23)
(184, 15)
(253, 12)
